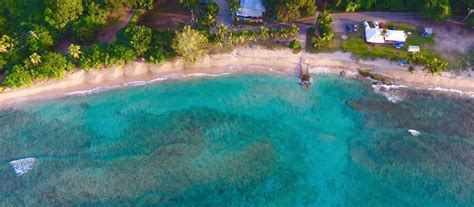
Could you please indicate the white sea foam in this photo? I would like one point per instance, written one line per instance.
(91, 91)
(414, 132)
(205, 75)
(142, 83)
(101, 89)
(390, 92)
(22, 166)
(470, 94)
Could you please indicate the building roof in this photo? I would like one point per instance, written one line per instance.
(373, 35)
(251, 8)
(395, 36)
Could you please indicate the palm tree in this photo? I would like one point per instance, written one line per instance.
(283, 33)
(6, 43)
(74, 51)
(253, 36)
(294, 30)
(264, 33)
(221, 34)
(35, 59)
(234, 5)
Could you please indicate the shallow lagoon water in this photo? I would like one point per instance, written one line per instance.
(241, 140)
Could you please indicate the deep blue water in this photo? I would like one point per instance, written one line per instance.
(248, 140)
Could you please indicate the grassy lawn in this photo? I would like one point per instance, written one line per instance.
(399, 26)
(359, 48)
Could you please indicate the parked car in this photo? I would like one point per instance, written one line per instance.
(355, 27)
(376, 24)
(381, 25)
(366, 24)
(349, 28)
(398, 45)
(403, 63)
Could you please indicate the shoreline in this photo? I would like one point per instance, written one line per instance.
(240, 61)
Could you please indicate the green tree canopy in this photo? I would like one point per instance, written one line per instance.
(40, 38)
(234, 5)
(6, 44)
(190, 44)
(18, 76)
(59, 13)
(53, 65)
(437, 9)
(137, 37)
(290, 10)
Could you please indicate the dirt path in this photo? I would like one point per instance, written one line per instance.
(108, 34)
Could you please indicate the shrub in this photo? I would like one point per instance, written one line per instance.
(160, 48)
(190, 43)
(295, 45)
(94, 57)
(53, 65)
(326, 32)
(212, 10)
(85, 30)
(42, 39)
(18, 76)
(136, 37)
(120, 54)
(103, 55)
(290, 10)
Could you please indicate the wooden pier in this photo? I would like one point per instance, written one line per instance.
(305, 76)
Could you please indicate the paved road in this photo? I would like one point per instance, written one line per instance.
(225, 15)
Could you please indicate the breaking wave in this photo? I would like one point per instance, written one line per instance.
(390, 92)
(22, 166)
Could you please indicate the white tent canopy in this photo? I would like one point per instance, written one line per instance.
(395, 36)
(413, 48)
(373, 35)
(251, 8)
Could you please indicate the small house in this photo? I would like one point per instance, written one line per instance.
(428, 32)
(373, 35)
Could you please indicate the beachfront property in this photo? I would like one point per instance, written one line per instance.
(251, 9)
(378, 35)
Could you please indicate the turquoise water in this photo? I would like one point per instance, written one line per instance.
(249, 140)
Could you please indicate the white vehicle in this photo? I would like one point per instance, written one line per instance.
(376, 24)
(366, 24)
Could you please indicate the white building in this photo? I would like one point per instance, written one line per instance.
(395, 36)
(375, 35)
(251, 9)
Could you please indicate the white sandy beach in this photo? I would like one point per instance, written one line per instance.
(243, 60)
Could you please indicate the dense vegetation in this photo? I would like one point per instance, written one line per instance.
(289, 10)
(29, 29)
(326, 32)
